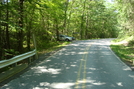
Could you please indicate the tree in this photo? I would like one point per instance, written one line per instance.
(125, 9)
(20, 25)
(88, 18)
(47, 19)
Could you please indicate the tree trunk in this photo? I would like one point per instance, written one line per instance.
(86, 30)
(65, 18)
(7, 28)
(28, 36)
(82, 20)
(69, 16)
(20, 30)
(28, 40)
(1, 48)
(56, 29)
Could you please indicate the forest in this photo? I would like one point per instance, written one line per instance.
(47, 19)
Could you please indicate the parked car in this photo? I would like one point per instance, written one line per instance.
(66, 38)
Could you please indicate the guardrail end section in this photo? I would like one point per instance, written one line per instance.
(9, 73)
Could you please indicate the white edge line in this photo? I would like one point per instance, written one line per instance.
(118, 57)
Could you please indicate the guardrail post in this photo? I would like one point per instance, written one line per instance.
(29, 60)
(36, 56)
(14, 65)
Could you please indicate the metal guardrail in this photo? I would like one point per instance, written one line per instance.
(18, 58)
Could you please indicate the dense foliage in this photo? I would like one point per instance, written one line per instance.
(125, 10)
(83, 19)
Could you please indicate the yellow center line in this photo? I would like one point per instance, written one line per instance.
(83, 61)
(84, 73)
(78, 75)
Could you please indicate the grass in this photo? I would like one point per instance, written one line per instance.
(125, 51)
(52, 47)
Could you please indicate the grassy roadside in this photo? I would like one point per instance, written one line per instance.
(124, 50)
(51, 48)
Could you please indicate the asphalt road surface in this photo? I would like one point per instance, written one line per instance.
(87, 64)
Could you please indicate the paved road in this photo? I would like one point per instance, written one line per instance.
(88, 64)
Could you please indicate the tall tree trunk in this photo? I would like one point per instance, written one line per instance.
(86, 30)
(1, 48)
(81, 27)
(69, 15)
(20, 30)
(56, 29)
(82, 20)
(7, 28)
(65, 17)
(28, 28)
(28, 39)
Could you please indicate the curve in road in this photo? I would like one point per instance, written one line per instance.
(87, 64)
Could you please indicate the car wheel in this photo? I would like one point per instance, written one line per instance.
(67, 40)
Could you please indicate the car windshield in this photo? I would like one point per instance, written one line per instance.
(63, 36)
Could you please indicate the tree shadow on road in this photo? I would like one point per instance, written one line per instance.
(69, 69)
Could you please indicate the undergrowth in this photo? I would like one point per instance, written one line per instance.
(125, 51)
(52, 46)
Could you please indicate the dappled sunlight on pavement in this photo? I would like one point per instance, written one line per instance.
(83, 64)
